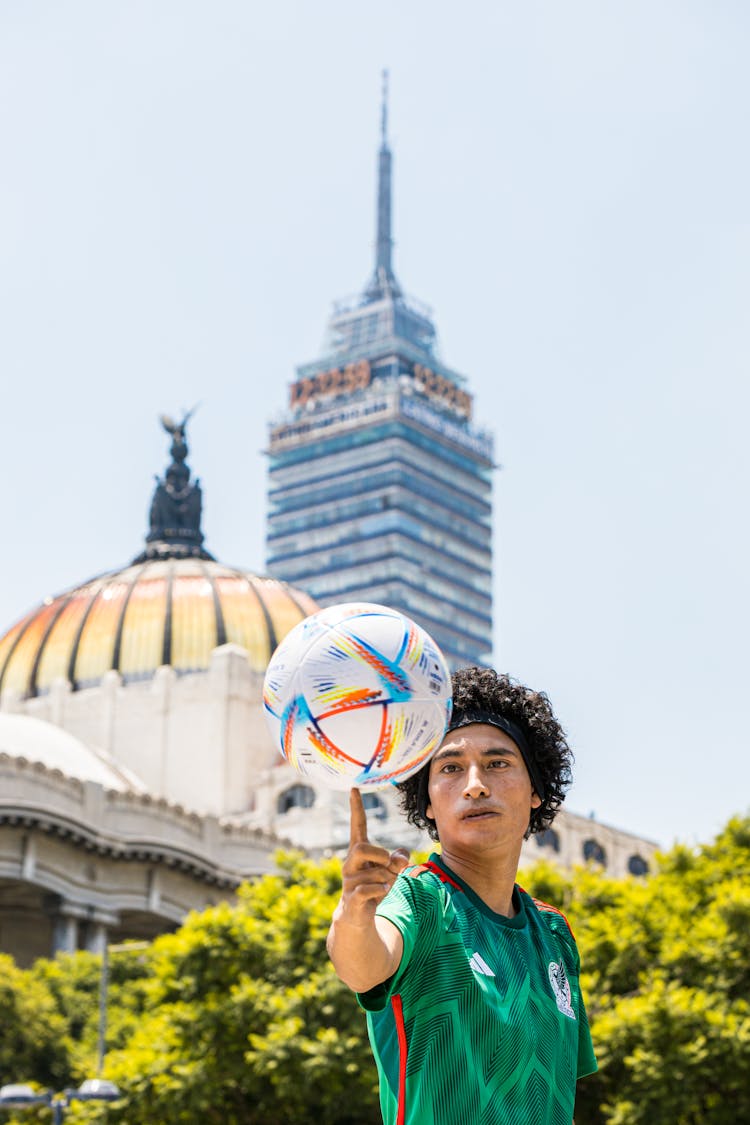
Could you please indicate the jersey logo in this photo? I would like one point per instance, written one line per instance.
(479, 965)
(558, 978)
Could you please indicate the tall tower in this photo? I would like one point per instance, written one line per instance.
(379, 481)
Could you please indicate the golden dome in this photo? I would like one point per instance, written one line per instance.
(158, 611)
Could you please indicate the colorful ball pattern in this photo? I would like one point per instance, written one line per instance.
(357, 695)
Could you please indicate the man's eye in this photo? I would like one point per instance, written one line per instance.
(498, 762)
(449, 767)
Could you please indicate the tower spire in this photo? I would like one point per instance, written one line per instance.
(383, 281)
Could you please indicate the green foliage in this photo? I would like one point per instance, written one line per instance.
(239, 1018)
(32, 1029)
(245, 1020)
(73, 981)
(667, 976)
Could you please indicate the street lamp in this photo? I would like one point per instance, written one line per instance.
(96, 1090)
(20, 1096)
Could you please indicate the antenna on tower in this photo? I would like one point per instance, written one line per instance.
(383, 281)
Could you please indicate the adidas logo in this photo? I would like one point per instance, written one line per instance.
(479, 965)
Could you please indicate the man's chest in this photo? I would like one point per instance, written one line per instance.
(498, 981)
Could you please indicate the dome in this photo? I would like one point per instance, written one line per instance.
(34, 740)
(162, 611)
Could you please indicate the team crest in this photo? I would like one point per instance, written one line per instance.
(558, 978)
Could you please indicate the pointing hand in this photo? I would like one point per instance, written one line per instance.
(369, 871)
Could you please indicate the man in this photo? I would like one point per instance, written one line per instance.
(471, 987)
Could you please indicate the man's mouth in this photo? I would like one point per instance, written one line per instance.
(479, 814)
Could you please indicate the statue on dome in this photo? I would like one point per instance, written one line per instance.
(176, 430)
(177, 504)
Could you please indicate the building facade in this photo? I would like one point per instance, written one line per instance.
(88, 856)
(380, 483)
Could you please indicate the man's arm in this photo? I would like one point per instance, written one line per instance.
(365, 949)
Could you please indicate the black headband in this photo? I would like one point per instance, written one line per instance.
(465, 718)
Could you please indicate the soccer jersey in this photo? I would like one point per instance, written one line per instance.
(483, 1023)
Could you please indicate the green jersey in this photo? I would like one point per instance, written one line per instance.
(483, 1023)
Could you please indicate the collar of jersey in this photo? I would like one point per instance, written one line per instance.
(516, 923)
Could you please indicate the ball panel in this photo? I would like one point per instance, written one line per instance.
(340, 669)
(285, 662)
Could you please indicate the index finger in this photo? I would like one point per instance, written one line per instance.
(358, 830)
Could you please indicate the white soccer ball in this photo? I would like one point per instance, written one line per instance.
(357, 694)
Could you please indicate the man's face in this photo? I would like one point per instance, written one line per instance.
(479, 790)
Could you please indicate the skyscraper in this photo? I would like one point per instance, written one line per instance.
(379, 481)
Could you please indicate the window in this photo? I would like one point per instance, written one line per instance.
(548, 839)
(637, 865)
(375, 805)
(296, 797)
(593, 851)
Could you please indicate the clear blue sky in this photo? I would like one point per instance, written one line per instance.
(187, 186)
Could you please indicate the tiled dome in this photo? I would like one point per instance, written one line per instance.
(160, 611)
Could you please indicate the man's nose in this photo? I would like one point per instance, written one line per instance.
(475, 786)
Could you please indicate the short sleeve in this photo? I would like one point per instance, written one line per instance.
(413, 905)
(587, 1063)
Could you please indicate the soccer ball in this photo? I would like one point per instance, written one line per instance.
(357, 694)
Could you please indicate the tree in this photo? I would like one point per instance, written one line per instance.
(73, 982)
(31, 1027)
(667, 979)
(245, 1020)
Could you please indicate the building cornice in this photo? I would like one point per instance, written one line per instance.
(129, 826)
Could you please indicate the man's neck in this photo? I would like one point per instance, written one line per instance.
(492, 878)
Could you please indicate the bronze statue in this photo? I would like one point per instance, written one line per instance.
(176, 506)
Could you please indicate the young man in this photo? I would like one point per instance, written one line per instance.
(471, 987)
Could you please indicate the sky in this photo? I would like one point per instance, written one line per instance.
(188, 186)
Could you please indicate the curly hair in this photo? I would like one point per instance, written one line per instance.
(484, 691)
